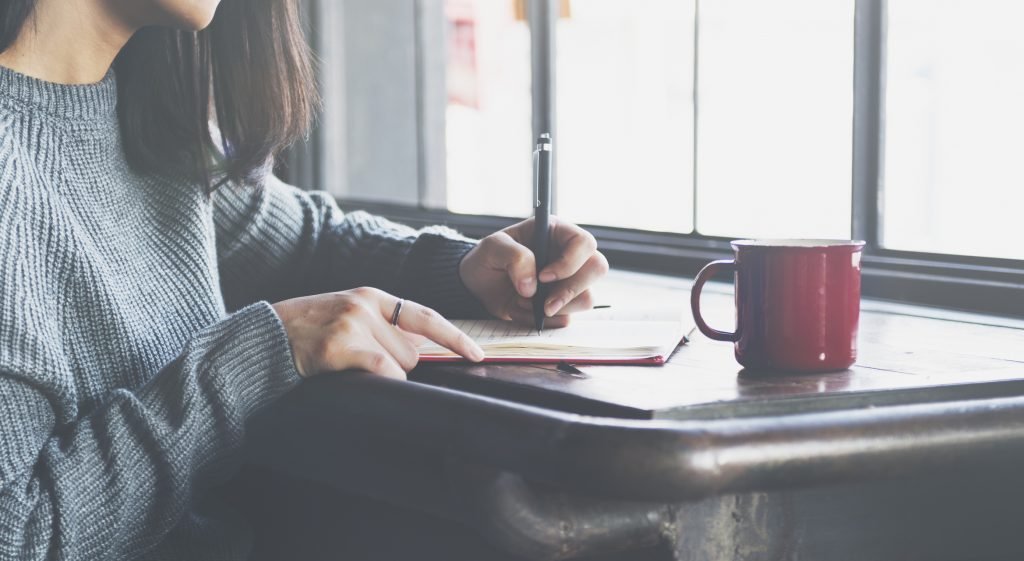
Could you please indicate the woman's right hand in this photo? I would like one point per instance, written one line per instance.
(352, 329)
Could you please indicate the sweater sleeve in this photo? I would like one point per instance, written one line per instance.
(111, 484)
(276, 242)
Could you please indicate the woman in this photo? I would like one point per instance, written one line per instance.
(129, 230)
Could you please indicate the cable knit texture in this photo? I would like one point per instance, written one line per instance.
(125, 384)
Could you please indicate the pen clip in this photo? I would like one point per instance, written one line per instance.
(536, 177)
(543, 145)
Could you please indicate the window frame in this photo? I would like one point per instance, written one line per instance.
(977, 284)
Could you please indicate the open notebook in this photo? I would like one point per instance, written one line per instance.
(597, 337)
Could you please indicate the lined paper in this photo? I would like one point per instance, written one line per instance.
(606, 339)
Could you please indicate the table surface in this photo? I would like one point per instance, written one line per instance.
(906, 355)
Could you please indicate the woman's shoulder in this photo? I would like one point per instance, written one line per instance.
(14, 160)
(25, 211)
(26, 172)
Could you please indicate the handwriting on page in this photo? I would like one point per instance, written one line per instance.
(594, 334)
(490, 330)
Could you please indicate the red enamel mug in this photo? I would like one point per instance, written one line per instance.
(797, 304)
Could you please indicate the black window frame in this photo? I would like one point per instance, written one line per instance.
(976, 284)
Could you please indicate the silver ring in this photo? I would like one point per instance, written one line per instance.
(398, 310)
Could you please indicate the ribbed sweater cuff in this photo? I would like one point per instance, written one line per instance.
(431, 276)
(254, 360)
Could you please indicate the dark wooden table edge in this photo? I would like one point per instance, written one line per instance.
(660, 461)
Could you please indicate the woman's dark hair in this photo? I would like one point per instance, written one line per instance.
(251, 70)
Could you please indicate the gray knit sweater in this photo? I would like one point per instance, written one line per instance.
(125, 384)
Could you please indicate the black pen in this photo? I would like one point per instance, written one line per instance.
(542, 170)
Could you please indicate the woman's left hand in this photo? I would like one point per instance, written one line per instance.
(501, 272)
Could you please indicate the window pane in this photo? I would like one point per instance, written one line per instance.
(625, 114)
(489, 109)
(775, 111)
(954, 135)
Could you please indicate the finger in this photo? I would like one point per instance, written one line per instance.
(576, 245)
(414, 339)
(582, 303)
(421, 320)
(376, 360)
(399, 346)
(502, 309)
(566, 291)
(525, 317)
(521, 232)
(516, 259)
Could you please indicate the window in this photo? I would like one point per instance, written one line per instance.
(488, 115)
(954, 136)
(625, 113)
(775, 118)
(895, 121)
(625, 118)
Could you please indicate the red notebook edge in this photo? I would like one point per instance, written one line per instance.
(653, 360)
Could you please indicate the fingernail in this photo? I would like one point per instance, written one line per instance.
(526, 286)
(547, 276)
(553, 307)
(478, 354)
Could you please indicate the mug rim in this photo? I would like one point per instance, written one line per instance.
(796, 243)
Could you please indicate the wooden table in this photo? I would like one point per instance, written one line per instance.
(912, 454)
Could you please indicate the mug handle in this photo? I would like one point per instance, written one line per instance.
(703, 276)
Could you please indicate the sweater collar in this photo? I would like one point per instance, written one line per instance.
(68, 101)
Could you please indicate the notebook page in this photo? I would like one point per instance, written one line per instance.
(583, 338)
(651, 312)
